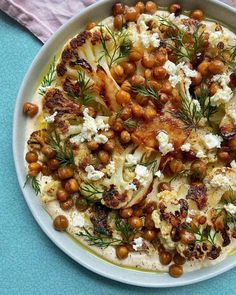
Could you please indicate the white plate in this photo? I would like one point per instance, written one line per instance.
(98, 11)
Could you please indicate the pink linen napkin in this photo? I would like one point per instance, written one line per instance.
(44, 17)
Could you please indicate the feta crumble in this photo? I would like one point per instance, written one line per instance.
(138, 242)
(230, 208)
(185, 147)
(141, 173)
(77, 219)
(200, 154)
(221, 181)
(188, 219)
(159, 174)
(100, 138)
(222, 95)
(164, 146)
(51, 119)
(214, 38)
(131, 186)
(233, 164)
(93, 174)
(110, 168)
(131, 160)
(212, 141)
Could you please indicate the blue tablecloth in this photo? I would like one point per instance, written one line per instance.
(29, 262)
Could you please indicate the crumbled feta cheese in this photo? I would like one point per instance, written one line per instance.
(141, 173)
(156, 219)
(230, 208)
(74, 129)
(187, 71)
(212, 141)
(51, 119)
(110, 168)
(138, 242)
(145, 38)
(77, 219)
(188, 219)
(200, 154)
(100, 138)
(170, 67)
(159, 174)
(155, 40)
(222, 95)
(233, 164)
(131, 160)
(131, 186)
(232, 114)
(214, 38)
(185, 147)
(90, 128)
(93, 174)
(164, 145)
(221, 181)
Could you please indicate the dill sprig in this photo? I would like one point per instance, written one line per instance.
(101, 241)
(152, 165)
(189, 113)
(207, 108)
(147, 91)
(49, 78)
(124, 229)
(183, 173)
(85, 94)
(93, 194)
(34, 182)
(130, 124)
(202, 236)
(64, 154)
(120, 44)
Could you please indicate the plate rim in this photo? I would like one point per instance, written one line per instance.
(55, 237)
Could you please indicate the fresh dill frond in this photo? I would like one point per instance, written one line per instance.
(49, 78)
(93, 194)
(119, 44)
(183, 173)
(202, 236)
(147, 91)
(124, 229)
(101, 241)
(130, 124)
(64, 154)
(152, 165)
(34, 182)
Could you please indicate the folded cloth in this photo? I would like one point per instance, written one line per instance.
(43, 17)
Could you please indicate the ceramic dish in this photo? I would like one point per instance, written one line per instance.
(63, 241)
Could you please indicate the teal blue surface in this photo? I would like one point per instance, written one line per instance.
(29, 262)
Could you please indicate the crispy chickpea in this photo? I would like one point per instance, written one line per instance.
(109, 145)
(138, 211)
(30, 109)
(166, 87)
(118, 126)
(214, 88)
(198, 169)
(62, 195)
(125, 136)
(157, 85)
(137, 110)
(109, 133)
(178, 259)
(129, 68)
(159, 73)
(135, 54)
(149, 224)
(48, 151)
(148, 74)
(126, 113)
(149, 113)
(31, 157)
(150, 207)
(126, 86)
(164, 98)
(126, 212)
(122, 252)
(140, 6)
(35, 166)
(164, 186)
(65, 172)
(53, 164)
(149, 235)
(118, 22)
(45, 170)
(137, 80)
(197, 79)
(90, 25)
(148, 61)
(203, 68)
(160, 58)
(175, 8)
(103, 157)
(131, 14)
(33, 173)
(187, 237)
(202, 219)
(118, 8)
(197, 14)
(123, 97)
(175, 270)
(60, 223)
(72, 185)
(176, 166)
(216, 67)
(81, 204)
(117, 72)
(142, 100)
(151, 7)
(135, 222)
(165, 257)
(232, 143)
(67, 204)
(93, 145)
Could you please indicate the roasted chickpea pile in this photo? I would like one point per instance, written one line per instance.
(135, 146)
